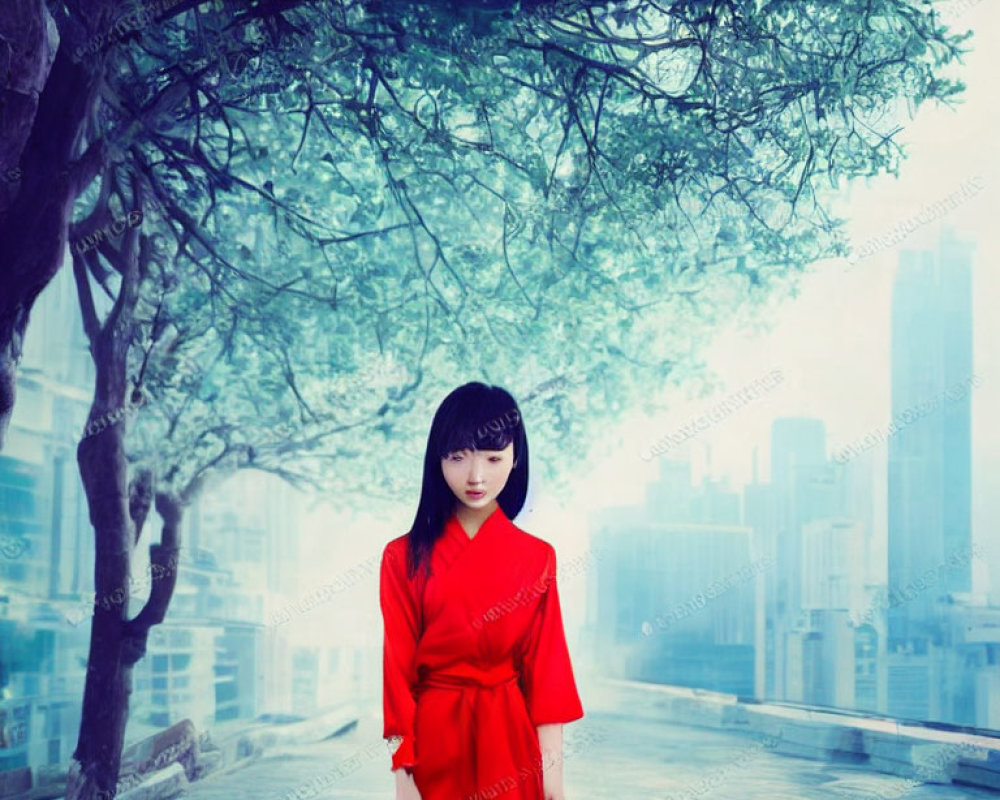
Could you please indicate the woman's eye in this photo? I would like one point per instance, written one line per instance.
(496, 459)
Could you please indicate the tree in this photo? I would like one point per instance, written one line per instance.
(206, 410)
(555, 110)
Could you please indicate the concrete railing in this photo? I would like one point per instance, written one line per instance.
(884, 745)
(159, 767)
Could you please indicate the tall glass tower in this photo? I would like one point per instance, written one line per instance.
(930, 529)
(800, 494)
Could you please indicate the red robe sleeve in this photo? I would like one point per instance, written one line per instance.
(399, 615)
(546, 672)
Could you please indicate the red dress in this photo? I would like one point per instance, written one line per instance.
(469, 671)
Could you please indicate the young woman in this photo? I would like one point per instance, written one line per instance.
(477, 675)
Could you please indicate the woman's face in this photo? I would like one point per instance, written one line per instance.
(482, 471)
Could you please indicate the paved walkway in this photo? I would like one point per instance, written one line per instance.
(607, 758)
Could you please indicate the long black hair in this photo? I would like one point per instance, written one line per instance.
(476, 417)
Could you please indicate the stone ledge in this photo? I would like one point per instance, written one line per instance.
(160, 785)
(251, 742)
(905, 749)
(231, 746)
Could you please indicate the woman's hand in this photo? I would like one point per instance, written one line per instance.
(406, 787)
(552, 781)
(550, 744)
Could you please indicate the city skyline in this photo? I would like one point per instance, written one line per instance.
(832, 341)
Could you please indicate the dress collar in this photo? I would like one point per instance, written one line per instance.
(496, 519)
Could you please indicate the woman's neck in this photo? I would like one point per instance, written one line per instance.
(471, 519)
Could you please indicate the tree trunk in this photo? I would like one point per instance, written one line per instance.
(40, 134)
(103, 469)
(116, 643)
(118, 511)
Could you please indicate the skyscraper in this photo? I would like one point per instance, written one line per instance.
(930, 453)
(801, 492)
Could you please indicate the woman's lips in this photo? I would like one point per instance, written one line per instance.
(474, 494)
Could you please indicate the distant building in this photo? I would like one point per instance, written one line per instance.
(930, 485)
(869, 670)
(760, 515)
(832, 588)
(46, 548)
(832, 554)
(974, 681)
(804, 487)
(678, 601)
(250, 526)
(180, 668)
(799, 478)
(930, 488)
(205, 660)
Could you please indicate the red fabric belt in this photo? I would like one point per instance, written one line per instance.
(464, 676)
